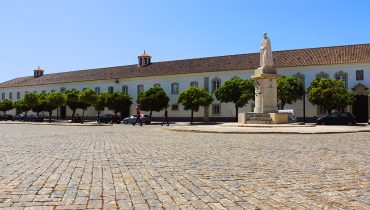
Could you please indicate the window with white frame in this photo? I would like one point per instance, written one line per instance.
(140, 88)
(111, 90)
(97, 90)
(18, 95)
(194, 84)
(2, 96)
(175, 88)
(216, 83)
(342, 76)
(124, 89)
(11, 96)
(216, 109)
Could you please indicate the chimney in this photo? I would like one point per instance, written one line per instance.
(144, 59)
(38, 72)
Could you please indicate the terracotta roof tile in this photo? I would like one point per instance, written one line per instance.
(289, 58)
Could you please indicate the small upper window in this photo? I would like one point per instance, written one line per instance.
(175, 88)
(124, 89)
(216, 83)
(97, 90)
(110, 90)
(342, 76)
(2, 96)
(18, 95)
(194, 84)
(359, 74)
(140, 88)
(10, 95)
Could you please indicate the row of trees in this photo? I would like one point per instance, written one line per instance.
(327, 93)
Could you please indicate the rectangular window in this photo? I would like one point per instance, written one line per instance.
(110, 90)
(125, 89)
(97, 90)
(18, 95)
(194, 84)
(174, 107)
(359, 74)
(2, 96)
(216, 83)
(11, 96)
(140, 88)
(216, 109)
(175, 88)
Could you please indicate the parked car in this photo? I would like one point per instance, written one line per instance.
(34, 118)
(109, 118)
(132, 119)
(337, 118)
(19, 117)
(6, 117)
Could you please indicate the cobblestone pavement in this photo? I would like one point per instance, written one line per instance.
(127, 167)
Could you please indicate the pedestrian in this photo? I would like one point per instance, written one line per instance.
(138, 117)
(165, 117)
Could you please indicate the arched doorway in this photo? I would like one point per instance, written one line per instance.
(361, 105)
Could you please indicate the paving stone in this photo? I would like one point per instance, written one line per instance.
(126, 167)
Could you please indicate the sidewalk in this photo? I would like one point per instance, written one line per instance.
(235, 128)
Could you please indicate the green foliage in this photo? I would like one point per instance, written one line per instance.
(86, 99)
(329, 94)
(289, 90)
(32, 99)
(6, 105)
(119, 102)
(154, 99)
(72, 100)
(53, 101)
(21, 106)
(101, 102)
(236, 90)
(193, 98)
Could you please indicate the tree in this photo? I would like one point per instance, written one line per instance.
(154, 99)
(31, 99)
(21, 106)
(6, 105)
(118, 102)
(53, 101)
(72, 101)
(193, 98)
(289, 90)
(330, 94)
(86, 99)
(236, 90)
(101, 102)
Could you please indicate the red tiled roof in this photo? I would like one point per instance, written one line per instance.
(289, 58)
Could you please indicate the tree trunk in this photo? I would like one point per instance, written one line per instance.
(151, 112)
(282, 104)
(236, 112)
(73, 114)
(50, 113)
(82, 118)
(191, 118)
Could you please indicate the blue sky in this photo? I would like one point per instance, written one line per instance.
(66, 35)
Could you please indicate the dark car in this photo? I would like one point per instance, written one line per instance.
(20, 117)
(34, 118)
(6, 117)
(132, 119)
(337, 118)
(109, 118)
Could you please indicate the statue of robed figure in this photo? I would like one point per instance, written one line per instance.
(266, 60)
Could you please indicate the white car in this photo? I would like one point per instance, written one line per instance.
(291, 116)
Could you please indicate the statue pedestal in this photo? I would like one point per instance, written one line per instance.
(265, 92)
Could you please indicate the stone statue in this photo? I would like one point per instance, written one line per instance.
(266, 60)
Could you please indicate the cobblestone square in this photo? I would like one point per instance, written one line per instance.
(148, 167)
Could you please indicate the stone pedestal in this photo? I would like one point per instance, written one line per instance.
(266, 91)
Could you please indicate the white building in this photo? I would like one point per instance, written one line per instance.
(348, 63)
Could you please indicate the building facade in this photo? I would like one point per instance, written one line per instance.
(351, 64)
